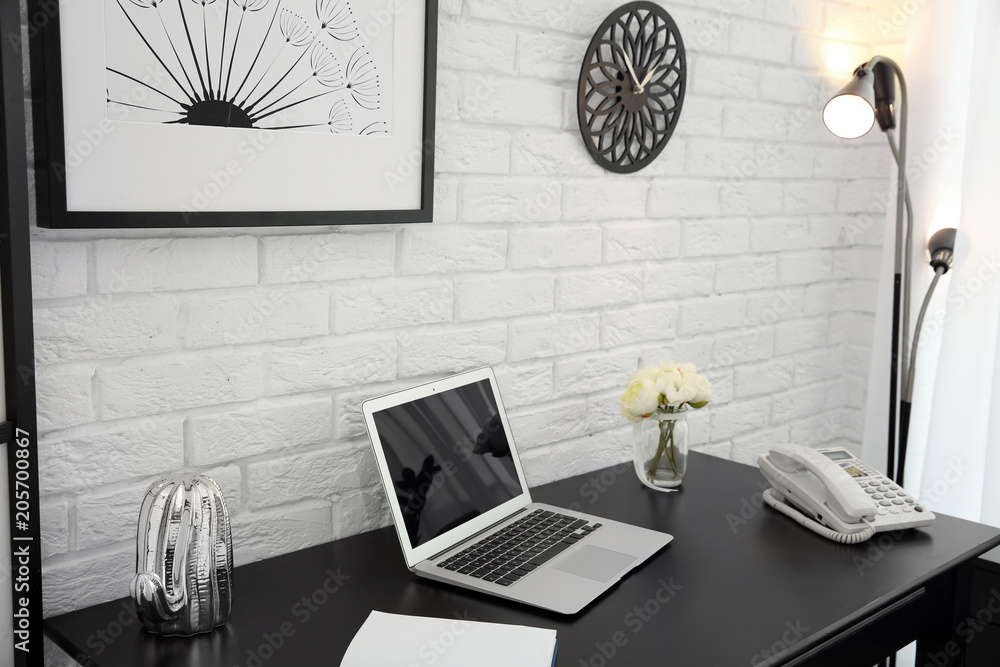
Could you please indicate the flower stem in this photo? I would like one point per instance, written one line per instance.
(659, 453)
(666, 445)
(671, 449)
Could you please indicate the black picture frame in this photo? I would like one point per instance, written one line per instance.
(50, 154)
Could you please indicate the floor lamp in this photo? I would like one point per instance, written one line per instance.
(851, 113)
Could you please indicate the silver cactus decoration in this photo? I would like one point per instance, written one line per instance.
(184, 557)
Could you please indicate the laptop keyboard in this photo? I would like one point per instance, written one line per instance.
(516, 550)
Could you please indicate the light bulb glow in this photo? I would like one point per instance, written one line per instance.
(948, 209)
(849, 116)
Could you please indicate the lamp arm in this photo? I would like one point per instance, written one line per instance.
(906, 405)
(907, 262)
(901, 155)
(938, 272)
(895, 155)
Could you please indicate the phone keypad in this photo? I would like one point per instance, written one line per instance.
(889, 498)
(894, 507)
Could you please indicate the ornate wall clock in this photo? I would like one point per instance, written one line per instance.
(631, 87)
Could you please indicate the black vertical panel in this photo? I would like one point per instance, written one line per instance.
(18, 347)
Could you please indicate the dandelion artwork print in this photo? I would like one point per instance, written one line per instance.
(233, 113)
(302, 65)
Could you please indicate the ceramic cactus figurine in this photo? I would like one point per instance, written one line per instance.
(184, 557)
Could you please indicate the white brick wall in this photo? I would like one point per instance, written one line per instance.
(166, 265)
(748, 247)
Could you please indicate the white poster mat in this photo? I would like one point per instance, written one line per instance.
(118, 166)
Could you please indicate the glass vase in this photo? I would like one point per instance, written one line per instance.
(660, 449)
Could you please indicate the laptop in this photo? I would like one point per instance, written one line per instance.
(462, 509)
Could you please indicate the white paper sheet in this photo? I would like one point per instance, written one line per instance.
(394, 640)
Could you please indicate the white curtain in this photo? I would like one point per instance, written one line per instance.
(952, 69)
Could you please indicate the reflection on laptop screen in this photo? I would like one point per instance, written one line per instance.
(449, 459)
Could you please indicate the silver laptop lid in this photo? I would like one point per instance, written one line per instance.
(447, 460)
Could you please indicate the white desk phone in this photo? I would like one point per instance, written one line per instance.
(845, 500)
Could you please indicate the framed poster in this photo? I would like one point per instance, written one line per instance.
(222, 113)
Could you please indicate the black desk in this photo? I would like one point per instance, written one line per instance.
(738, 585)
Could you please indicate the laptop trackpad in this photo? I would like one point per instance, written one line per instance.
(595, 563)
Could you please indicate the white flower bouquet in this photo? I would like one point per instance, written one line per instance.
(666, 389)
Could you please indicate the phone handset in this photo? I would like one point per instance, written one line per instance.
(820, 487)
(847, 500)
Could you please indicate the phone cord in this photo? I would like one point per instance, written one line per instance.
(772, 499)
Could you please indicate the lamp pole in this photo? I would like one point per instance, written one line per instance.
(901, 268)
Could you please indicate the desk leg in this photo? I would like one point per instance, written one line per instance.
(944, 645)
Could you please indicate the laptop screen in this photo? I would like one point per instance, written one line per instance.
(449, 458)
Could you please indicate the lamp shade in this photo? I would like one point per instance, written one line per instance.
(851, 113)
(941, 248)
